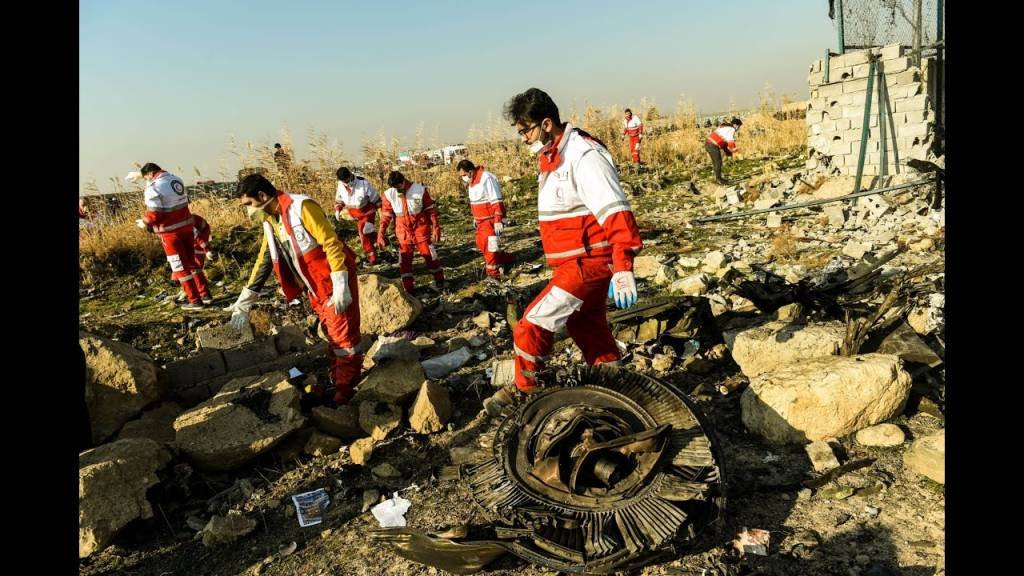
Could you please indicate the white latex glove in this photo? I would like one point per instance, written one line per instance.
(341, 296)
(337, 215)
(142, 225)
(133, 176)
(211, 255)
(240, 309)
(498, 228)
(623, 289)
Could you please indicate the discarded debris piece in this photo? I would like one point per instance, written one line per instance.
(227, 529)
(287, 549)
(391, 513)
(503, 373)
(752, 541)
(310, 506)
(837, 492)
(455, 557)
(441, 366)
(370, 498)
(361, 451)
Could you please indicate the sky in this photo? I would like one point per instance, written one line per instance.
(171, 81)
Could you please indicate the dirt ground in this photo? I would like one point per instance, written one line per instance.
(891, 521)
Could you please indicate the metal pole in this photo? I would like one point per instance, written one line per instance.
(737, 216)
(842, 37)
(828, 54)
(882, 106)
(917, 28)
(864, 126)
(892, 125)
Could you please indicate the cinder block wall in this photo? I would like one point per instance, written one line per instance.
(835, 112)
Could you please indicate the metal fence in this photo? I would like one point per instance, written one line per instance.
(865, 23)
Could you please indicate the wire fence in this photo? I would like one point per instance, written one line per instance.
(867, 23)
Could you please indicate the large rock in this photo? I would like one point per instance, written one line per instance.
(322, 445)
(378, 419)
(156, 424)
(384, 306)
(387, 347)
(246, 418)
(394, 381)
(927, 456)
(223, 336)
(826, 397)
(342, 421)
(431, 410)
(361, 450)
(120, 381)
(112, 483)
(776, 344)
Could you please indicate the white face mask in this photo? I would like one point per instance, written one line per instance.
(465, 179)
(537, 147)
(254, 212)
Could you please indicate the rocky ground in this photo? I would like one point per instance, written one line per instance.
(175, 495)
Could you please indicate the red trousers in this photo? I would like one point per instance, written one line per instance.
(634, 148)
(180, 251)
(367, 230)
(426, 249)
(342, 339)
(575, 299)
(492, 259)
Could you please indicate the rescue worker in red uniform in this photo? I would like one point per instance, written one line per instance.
(588, 234)
(302, 250)
(167, 215)
(488, 211)
(416, 226)
(360, 199)
(634, 130)
(722, 139)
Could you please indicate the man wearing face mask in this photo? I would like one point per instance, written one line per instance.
(167, 214)
(301, 249)
(588, 234)
(416, 225)
(356, 195)
(488, 211)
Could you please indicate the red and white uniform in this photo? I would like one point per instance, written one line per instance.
(200, 246)
(634, 128)
(415, 217)
(302, 263)
(168, 215)
(361, 200)
(588, 232)
(488, 209)
(724, 137)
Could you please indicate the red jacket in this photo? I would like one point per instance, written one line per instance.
(414, 214)
(485, 201)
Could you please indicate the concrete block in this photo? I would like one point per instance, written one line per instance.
(189, 397)
(815, 78)
(859, 85)
(216, 384)
(839, 147)
(815, 66)
(910, 131)
(817, 104)
(916, 116)
(853, 112)
(826, 90)
(814, 117)
(918, 102)
(861, 70)
(829, 126)
(892, 51)
(816, 129)
(844, 124)
(849, 59)
(903, 78)
(774, 220)
(249, 355)
(896, 65)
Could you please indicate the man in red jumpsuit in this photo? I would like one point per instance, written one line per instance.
(302, 250)
(167, 215)
(634, 130)
(588, 234)
(358, 197)
(201, 251)
(488, 211)
(416, 226)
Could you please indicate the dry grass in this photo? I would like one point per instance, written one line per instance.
(784, 245)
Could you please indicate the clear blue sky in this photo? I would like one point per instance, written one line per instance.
(168, 81)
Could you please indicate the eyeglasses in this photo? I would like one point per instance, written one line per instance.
(526, 131)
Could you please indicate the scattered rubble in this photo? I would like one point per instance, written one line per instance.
(156, 424)
(120, 383)
(431, 410)
(927, 456)
(777, 344)
(881, 435)
(361, 450)
(378, 419)
(394, 381)
(384, 306)
(320, 444)
(227, 529)
(341, 422)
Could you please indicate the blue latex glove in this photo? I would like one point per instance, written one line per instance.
(622, 289)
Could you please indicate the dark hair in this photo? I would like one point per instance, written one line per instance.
(277, 144)
(736, 121)
(150, 168)
(344, 173)
(628, 110)
(465, 165)
(395, 178)
(534, 105)
(253, 184)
